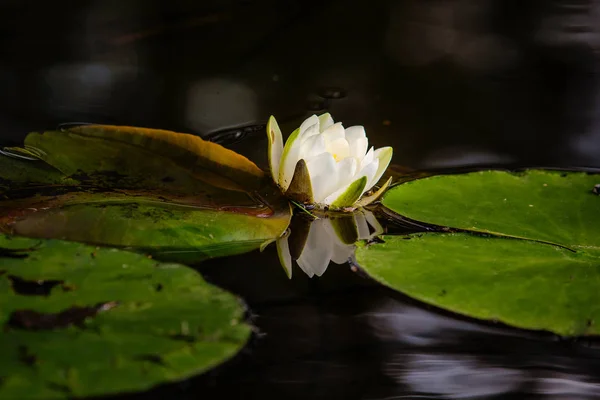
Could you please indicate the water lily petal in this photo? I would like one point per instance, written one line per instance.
(312, 120)
(341, 177)
(285, 258)
(339, 148)
(369, 171)
(357, 139)
(334, 132)
(309, 127)
(384, 155)
(323, 172)
(311, 131)
(325, 121)
(313, 146)
(317, 251)
(289, 159)
(368, 158)
(347, 196)
(275, 147)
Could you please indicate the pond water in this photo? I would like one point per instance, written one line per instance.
(446, 83)
(345, 336)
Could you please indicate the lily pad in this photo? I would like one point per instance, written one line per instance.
(528, 255)
(19, 172)
(518, 282)
(143, 157)
(173, 195)
(84, 321)
(170, 231)
(550, 206)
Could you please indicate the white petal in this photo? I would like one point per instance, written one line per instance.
(357, 139)
(325, 121)
(340, 177)
(313, 146)
(384, 155)
(369, 157)
(334, 132)
(322, 170)
(346, 170)
(275, 147)
(289, 159)
(368, 171)
(308, 122)
(309, 131)
(317, 250)
(355, 132)
(339, 148)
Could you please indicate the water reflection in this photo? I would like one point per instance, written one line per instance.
(328, 238)
(331, 345)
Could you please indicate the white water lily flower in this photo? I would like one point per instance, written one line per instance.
(326, 165)
(329, 240)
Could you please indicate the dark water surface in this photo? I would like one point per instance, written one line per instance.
(446, 83)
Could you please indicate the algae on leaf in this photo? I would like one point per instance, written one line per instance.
(85, 321)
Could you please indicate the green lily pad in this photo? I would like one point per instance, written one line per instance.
(141, 157)
(173, 195)
(84, 321)
(518, 282)
(19, 172)
(549, 206)
(528, 257)
(170, 231)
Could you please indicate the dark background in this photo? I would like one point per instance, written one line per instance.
(446, 83)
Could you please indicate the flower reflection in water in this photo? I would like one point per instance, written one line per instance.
(330, 237)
